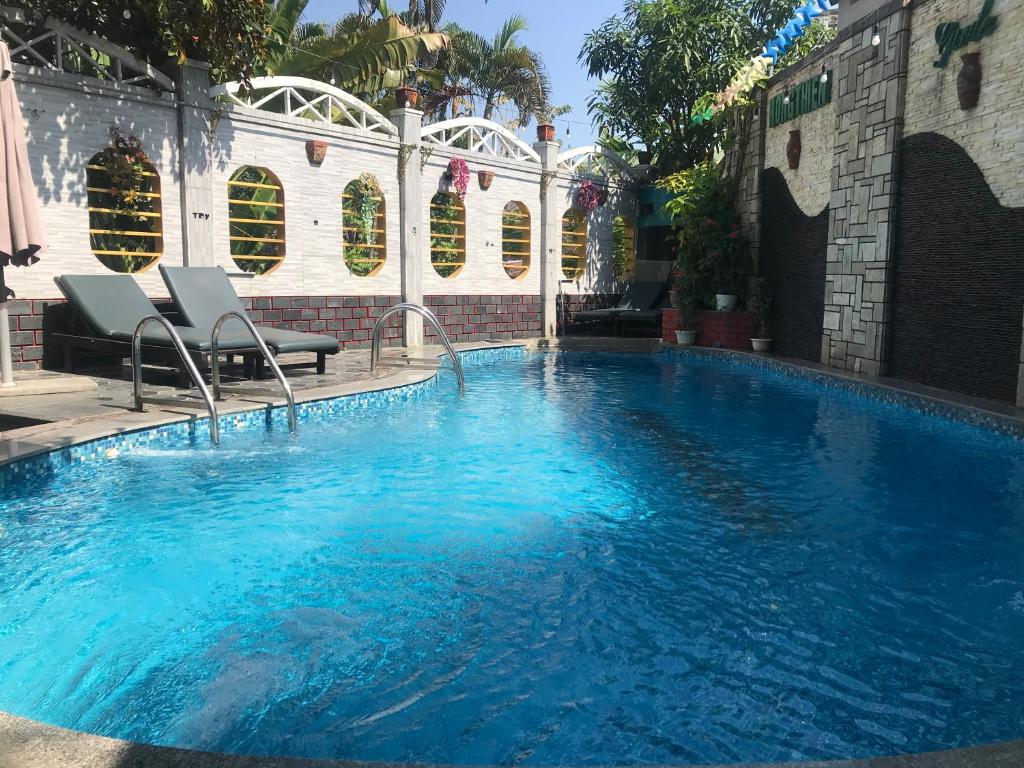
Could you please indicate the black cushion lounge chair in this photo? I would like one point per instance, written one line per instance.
(203, 294)
(639, 295)
(642, 322)
(108, 308)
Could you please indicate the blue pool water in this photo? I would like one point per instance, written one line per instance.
(588, 559)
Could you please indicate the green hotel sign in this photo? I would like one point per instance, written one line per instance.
(799, 100)
(951, 36)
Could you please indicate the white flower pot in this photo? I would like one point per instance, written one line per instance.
(686, 338)
(725, 302)
(761, 345)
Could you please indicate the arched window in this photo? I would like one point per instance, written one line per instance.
(256, 219)
(623, 246)
(125, 223)
(362, 226)
(447, 234)
(515, 239)
(574, 244)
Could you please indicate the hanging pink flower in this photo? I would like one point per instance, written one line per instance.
(458, 172)
(589, 196)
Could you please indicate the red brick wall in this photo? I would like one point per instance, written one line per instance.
(731, 330)
(26, 318)
(475, 318)
(349, 319)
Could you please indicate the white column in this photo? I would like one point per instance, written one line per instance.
(195, 163)
(410, 211)
(550, 237)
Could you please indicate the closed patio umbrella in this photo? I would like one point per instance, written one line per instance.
(21, 230)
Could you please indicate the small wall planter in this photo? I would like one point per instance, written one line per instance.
(761, 345)
(793, 149)
(485, 178)
(407, 97)
(968, 82)
(545, 132)
(686, 338)
(316, 151)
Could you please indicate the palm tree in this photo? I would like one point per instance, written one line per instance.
(422, 14)
(360, 53)
(495, 73)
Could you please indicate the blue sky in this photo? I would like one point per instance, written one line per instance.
(556, 30)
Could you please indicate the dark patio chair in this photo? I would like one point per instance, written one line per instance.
(107, 309)
(640, 295)
(203, 294)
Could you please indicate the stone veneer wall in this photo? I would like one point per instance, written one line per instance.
(868, 94)
(852, 149)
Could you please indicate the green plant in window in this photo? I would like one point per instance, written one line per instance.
(621, 256)
(124, 201)
(573, 243)
(515, 234)
(445, 243)
(363, 212)
(255, 220)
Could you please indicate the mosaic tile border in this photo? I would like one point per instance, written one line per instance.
(197, 431)
(924, 404)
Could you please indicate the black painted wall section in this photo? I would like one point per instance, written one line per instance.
(793, 248)
(959, 275)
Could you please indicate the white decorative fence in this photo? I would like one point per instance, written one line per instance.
(60, 47)
(593, 160)
(308, 99)
(474, 134)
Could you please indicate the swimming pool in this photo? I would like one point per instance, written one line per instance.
(589, 559)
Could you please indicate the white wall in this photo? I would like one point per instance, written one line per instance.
(69, 117)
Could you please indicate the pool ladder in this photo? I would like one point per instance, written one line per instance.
(426, 314)
(193, 371)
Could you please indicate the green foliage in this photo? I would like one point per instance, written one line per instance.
(493, 73)
(660, 59)
(574, 243)
(361, 55)
(255, 223)
(229, 34)
(124, 205)
(711, 251)
(447, 246)
(515, 237)
(362, 220)
(623, 245)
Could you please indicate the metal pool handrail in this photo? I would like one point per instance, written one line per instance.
(264, 350)
(426, 314)
(186, 359)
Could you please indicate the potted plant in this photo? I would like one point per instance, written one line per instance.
(545, 132)
(407, 96)
(707, 231)
(458, 175)
(685, 299)
(761, 299)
